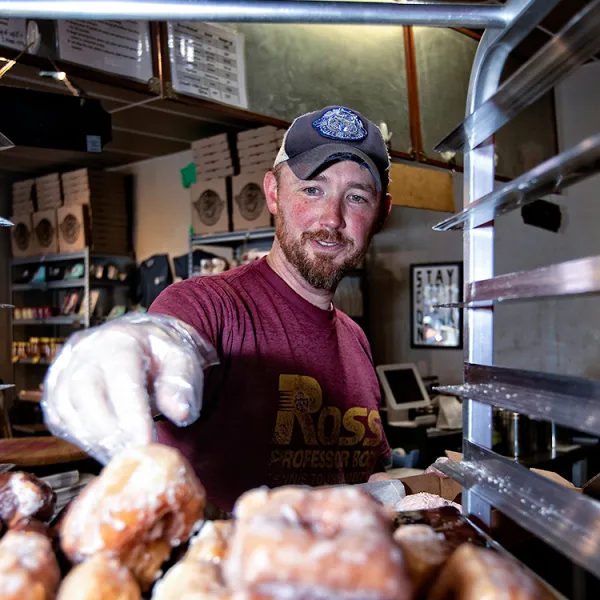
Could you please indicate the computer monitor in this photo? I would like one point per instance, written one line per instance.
(403, 389)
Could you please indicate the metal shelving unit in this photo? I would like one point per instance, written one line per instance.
(231, 239)
(564, 519)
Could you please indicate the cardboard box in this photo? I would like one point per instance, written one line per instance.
(216, 166)
(257, 170)
(24, 207)
(45, 228)
(210, 206)
(214, 174)
(270, 148)
(258, 159)
(249, 205)
(214, 140)
(267, 130)
(50, 179)
(419, 187)
(73, 228)
(22, 239)
(222, 148)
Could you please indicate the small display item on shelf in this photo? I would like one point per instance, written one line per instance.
(70, 303)
(32, 312)
(94, 295)
(77, 271)
(116, 312)
(37, 349)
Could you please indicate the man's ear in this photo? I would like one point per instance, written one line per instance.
(388, 205)
(270, 187)
(385, 212)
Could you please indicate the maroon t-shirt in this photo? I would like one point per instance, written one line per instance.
(295, 398)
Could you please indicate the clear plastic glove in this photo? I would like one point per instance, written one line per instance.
(106, 384)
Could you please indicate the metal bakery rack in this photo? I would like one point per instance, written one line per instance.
(564, 519)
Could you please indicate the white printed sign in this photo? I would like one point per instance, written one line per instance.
(207, 61)
(118, 47)
(13, 33)
(434, 324)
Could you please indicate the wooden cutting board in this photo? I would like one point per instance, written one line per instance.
(39, 451)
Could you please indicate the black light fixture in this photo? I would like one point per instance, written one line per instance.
(543, 214)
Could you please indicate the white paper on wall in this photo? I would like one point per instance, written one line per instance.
(207, 61)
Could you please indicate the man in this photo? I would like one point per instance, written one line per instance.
(294, 398)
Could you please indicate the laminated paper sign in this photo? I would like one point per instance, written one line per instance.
(207, 61)
(13, 33)
(118, 47)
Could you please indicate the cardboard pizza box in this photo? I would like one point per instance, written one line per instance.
(248, 202)
(209, 200)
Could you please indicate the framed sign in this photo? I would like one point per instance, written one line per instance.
(207, 61)
(117, 47)
(432, 325)
(13, 33)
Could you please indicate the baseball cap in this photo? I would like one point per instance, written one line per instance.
(334, 133)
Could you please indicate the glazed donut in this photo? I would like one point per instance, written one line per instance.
(191, 580)
(315, 543)
(198, 576)
(146, 501)
(425, 552)
(473, 573)
(28, 567)
(23, 495)
(99, 578)
(211, 543)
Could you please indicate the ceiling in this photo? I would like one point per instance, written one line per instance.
(145, 126)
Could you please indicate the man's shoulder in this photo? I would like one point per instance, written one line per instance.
(352, 327)
(231, 279)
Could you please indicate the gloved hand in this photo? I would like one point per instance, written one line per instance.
(106, 384)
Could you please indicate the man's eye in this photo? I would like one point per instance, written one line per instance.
(311, 191)
(357, 199)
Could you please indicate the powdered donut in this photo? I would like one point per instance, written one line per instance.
(145, 502)
(99, 578)
(424, 501)
(23, 495)
(28, 567)
(473, 573)
(323, 543)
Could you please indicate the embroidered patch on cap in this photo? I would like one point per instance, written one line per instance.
(340, 124)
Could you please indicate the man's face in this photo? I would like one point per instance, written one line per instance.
(324, 225)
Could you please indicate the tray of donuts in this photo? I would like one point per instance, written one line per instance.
(138, 530)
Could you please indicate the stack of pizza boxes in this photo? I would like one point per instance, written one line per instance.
(257, 150)
(23, 241)
(49, 201)
(210, 194)
(94, 213)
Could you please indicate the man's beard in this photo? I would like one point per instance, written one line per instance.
(321, 272)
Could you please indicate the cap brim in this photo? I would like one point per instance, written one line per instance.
(306, 164)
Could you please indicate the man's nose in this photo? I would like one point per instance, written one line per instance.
(332, 216)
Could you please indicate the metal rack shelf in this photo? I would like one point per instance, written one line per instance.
(49, 285)
(570, 278)
(72, 321)
(550, 177)
(31, 361)
(46, 258)
(233, 237)
(577, 42)
(564, 519)
(63, 285)
(571, 401)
